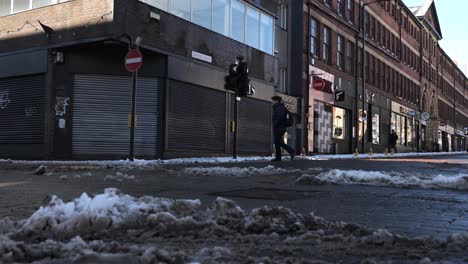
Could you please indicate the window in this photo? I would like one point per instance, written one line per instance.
(339, 52)
(283, 80)
(41, 3)
(253, 19)
(284, 16)
(201, 13)
(5, 7)
(375, 129)
(341, 8)
(326, 44)
(20, 5)
(350, 12)
(161, 4)
(349, 56)
(314, 37)
(266, 33)
(181, 8)
(327, 2)
(339, 121)
(237, 20)
(232, 18)
(221, 16)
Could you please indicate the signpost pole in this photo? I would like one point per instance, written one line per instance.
(133, 114)
(133, 62)
(234, 127)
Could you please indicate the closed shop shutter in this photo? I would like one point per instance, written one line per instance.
(197, 118)
(22, 110)
(101, 108)
(254, 128)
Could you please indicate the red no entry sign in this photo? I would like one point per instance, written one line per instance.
(319, 84)
(133, 60)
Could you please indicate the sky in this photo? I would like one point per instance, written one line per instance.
(453, 21)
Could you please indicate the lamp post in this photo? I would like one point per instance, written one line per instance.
(363, 86)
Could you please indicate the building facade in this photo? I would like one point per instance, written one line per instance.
(399, 80)
(65, 92)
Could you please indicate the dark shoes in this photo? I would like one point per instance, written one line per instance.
(275, 160)
(293, 154)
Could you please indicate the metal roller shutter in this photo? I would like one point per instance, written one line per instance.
(197, 118)
(100, 116)
(254, 134)
(22, 110)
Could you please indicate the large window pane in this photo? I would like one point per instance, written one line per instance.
(41, 3)
(181, 8)
(375, 129)
(5, 7)
(201, 13)
(221, 16)
(266, 33)
(252, 27)
(237, 20)
(339, 123)
(20, 5)
(161, 4)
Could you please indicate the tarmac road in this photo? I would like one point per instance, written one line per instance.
(409, 211)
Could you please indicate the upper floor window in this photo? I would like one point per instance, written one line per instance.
(8, 7)
(339, 52)
(327, 2)
(326, 44)
(232, 18)
(341, 8)
(314, 37)
(350, 11)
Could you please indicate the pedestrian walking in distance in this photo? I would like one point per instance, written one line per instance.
(393, 140)
(280, 121)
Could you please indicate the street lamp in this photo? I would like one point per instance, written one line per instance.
(363, 30)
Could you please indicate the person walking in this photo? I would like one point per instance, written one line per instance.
(393, 141)
(279, 120)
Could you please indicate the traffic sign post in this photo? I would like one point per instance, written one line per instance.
(133, 62)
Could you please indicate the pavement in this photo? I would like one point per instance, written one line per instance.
(409, 211)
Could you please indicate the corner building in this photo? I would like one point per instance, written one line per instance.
(410, 84)
(65, 93)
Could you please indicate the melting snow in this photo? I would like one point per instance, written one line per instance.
(117, 228)
(380, 178)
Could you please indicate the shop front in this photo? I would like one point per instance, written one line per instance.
(405, 123)
(330, 120)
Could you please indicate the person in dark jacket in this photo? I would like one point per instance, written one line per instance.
(393, 140)
(279, 128)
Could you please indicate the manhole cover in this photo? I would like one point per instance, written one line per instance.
(271, 194)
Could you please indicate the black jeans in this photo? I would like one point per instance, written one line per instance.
(278, 134)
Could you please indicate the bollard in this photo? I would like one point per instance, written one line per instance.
(386, 151)
(356, 153)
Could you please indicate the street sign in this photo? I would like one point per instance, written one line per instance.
(339, 96)
(442, 123)
(412, 113)
(425, 116)
(133, 60)
(319, 84)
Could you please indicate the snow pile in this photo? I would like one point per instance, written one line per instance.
(207, 160)
(120, 177)
(117, 228)
(236, 171)
(379, 178)
(75, 176)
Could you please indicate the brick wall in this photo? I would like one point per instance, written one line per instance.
(73, 20)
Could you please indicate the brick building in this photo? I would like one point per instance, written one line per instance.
(405, 74)
(65, 92)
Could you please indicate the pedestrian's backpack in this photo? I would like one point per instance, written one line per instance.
(289, 119)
